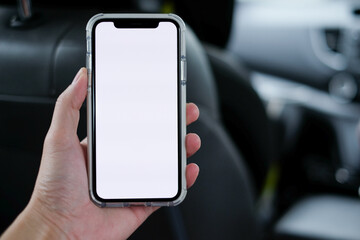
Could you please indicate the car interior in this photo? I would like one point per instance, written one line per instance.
(277, 85)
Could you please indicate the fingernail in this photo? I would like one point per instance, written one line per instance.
(77, 77)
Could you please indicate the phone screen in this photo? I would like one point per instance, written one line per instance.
(136, 106)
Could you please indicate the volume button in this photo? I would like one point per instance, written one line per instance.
(183, 70)
(88, 60)
(89, 78)
(88, 45)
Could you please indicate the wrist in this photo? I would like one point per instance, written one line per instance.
(32, 223)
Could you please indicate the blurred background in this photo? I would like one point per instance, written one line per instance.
(277, 83)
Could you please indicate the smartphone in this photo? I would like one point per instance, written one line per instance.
(136, 109)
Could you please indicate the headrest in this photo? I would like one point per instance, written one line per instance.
(201, 88)
(41, 61)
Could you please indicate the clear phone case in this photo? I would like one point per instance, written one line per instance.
(182, 87)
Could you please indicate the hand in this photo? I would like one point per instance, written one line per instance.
(60, 206)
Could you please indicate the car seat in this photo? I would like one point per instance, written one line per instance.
(244, 114)
(37, 64)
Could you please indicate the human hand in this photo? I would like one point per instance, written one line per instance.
(60, 206)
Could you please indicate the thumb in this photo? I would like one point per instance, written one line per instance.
(66, 114)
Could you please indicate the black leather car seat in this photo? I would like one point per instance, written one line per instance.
(244, 113)
(219, 206)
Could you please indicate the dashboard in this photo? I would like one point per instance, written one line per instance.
(306, 41)
(305, 62)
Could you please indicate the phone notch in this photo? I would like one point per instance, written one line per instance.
(136, 23)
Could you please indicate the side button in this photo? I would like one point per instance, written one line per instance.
(183, 70)
(88, 45)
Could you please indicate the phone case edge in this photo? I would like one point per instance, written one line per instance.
(182, 86)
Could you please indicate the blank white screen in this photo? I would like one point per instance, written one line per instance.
(136, 111)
